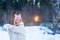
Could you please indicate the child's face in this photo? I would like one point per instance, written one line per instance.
(17, 21)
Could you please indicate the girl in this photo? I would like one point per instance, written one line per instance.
(17, 31)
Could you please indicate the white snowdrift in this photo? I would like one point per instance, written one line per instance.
(32, 33)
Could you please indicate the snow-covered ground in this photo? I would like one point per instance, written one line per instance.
(4, 35)
(32, 33)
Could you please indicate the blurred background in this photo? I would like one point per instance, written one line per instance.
(34, 12)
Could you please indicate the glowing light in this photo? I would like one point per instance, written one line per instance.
(36, 18)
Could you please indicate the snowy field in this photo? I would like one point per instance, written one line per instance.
(32, 33)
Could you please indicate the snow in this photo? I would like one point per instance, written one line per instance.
(4, 35)
(32, 33)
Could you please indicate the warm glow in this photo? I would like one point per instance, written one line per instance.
(36, 18)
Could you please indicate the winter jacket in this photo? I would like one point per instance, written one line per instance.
(16, 32)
